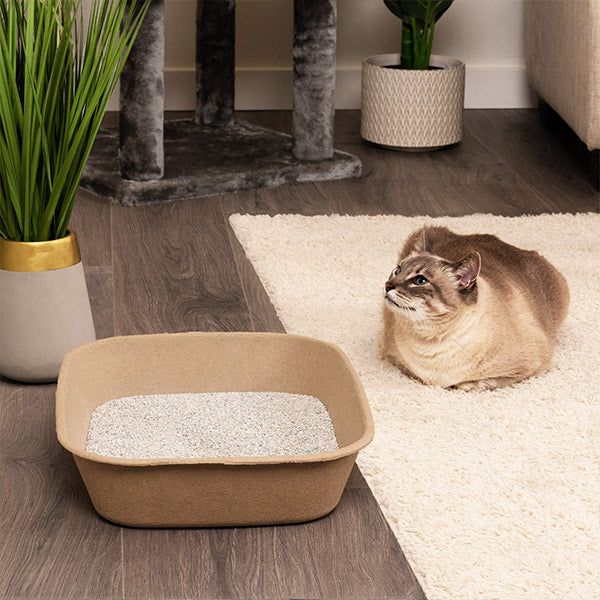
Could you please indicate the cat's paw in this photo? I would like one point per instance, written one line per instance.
(468, 386)
(482, 385)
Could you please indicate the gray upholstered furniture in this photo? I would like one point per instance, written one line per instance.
(563, 66)
(148, 160)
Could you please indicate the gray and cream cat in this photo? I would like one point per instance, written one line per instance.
(470, 311)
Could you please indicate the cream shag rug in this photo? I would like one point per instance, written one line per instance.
(492, 495)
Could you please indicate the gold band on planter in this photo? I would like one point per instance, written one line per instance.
(26, 257)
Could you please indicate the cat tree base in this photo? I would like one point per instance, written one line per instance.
(204, 161)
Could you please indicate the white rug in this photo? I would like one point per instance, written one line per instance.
(492, 495)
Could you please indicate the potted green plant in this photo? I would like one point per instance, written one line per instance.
(413, 100)
(57, 72)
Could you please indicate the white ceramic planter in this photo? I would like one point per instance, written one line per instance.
(44, 312)
(412, 110)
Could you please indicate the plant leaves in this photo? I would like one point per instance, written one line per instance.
(54, 88)
(425, 11)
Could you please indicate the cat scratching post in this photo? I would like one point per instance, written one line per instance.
(314, 78)
(215, 62)
(150, 160)
(141, 142)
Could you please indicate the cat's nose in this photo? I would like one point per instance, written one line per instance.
(389, 286)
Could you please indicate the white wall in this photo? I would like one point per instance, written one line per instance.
(486, 34)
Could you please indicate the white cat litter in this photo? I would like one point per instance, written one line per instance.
(216, 424)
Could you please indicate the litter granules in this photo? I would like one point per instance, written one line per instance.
(215, 424)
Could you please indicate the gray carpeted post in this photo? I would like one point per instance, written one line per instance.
(213, 153)
(215, 62)
(142, 102)
(314, 78)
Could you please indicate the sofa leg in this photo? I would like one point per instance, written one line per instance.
(548, 116)
(595, 168)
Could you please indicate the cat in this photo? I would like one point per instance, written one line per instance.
(471, 311)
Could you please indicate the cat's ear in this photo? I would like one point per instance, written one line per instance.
(467, 270)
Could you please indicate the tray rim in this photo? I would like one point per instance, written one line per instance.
(347, 450)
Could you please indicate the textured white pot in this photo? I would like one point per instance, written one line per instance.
(412, 110)
(44, 312)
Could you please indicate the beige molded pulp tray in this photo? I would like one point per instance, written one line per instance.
(207, 492)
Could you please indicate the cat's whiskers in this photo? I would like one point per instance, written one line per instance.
(405, 307)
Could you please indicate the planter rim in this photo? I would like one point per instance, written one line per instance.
(437, 60)
(28, 257)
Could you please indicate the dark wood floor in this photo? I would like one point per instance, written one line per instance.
(177, 267)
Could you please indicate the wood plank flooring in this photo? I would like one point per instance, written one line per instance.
(50, 546)
(177, 267)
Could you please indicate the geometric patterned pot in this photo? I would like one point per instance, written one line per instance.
(412, 110)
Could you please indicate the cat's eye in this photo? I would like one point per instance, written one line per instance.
(420, 280)
(396, 271)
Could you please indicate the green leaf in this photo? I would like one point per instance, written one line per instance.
(418, 26)
(425, 11)
(55, 88)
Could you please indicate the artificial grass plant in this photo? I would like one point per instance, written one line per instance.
(58, 69)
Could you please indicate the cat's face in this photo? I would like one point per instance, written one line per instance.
(426, 287)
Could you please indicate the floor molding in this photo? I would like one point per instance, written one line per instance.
(487, 86)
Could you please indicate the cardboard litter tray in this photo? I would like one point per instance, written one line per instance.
(207, 492)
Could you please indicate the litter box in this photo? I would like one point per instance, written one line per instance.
(212, 492)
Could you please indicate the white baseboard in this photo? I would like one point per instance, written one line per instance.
(487, 86)
(498, 86)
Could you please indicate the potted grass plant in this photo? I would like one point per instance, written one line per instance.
(413, 100)
(58, 69)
